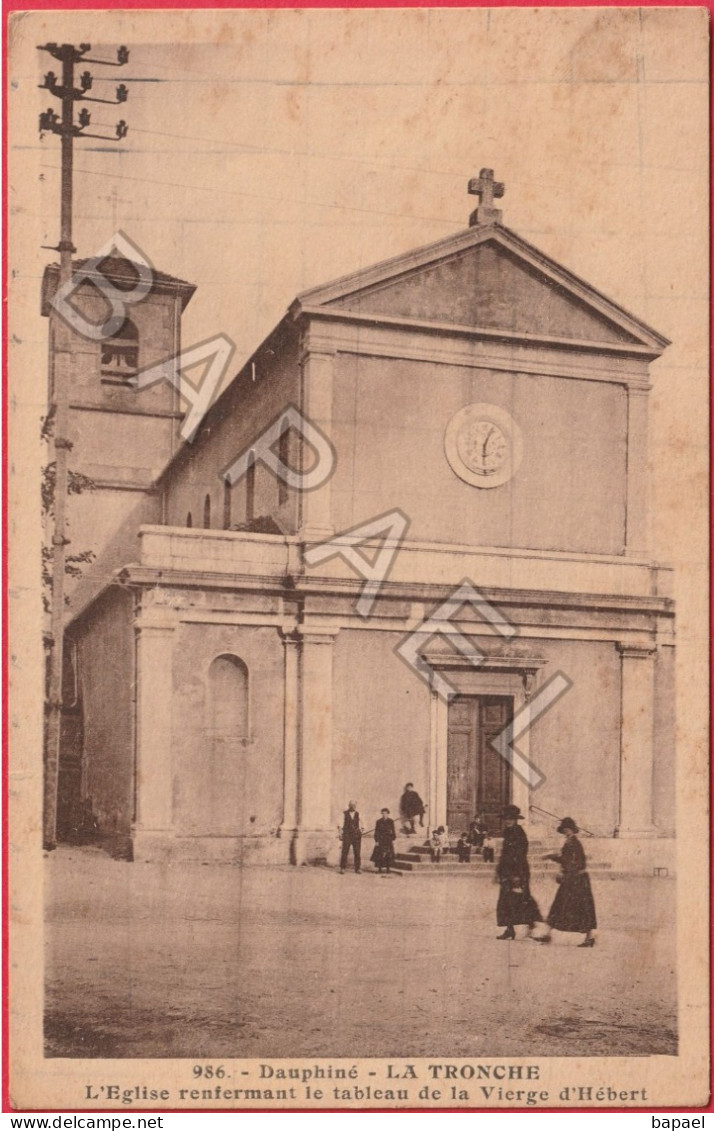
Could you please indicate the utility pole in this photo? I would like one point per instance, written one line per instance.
(60, 381)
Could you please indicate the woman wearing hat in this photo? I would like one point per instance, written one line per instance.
(573, 907)
(515, 902)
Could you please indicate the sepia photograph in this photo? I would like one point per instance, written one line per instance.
(358, 536)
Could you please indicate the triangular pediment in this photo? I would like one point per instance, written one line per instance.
(487, 279)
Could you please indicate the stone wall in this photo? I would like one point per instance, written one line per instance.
(105, 661)
(390, 416)
(250, 404)
(227, 784)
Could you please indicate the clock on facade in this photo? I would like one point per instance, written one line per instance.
(483, 445)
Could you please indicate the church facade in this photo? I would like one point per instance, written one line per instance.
(436, 569)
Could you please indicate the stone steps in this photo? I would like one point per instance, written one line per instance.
(415, 859)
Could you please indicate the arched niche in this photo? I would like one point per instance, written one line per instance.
(227, 700)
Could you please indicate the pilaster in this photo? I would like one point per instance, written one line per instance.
(636, 741)
(315, 835)
(153, 825)
(436, 813)
(637, 522)
(291, 644)
(317, 367)
(432, 816)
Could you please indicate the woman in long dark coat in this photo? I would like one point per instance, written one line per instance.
(573, 907)
(515, 902)
(384, 836)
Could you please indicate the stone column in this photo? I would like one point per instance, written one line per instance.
(637, 537)
(317, 834)
(153, 826)
(636, 741)
(290, 737)
(317, 370)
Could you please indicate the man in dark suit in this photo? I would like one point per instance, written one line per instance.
(351, 837)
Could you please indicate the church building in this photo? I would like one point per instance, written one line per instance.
(470, 414)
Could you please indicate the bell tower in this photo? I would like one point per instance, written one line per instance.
(122, 436)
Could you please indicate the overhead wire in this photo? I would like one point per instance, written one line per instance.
(257, 195)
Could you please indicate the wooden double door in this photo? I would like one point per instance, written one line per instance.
(478, 779)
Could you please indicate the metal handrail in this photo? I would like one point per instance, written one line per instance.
(555, 817)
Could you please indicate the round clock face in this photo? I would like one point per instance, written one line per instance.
(483, 445)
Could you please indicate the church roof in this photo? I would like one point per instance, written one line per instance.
(486, 280)
(117, 269)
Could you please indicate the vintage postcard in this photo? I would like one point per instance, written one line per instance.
(358, 551)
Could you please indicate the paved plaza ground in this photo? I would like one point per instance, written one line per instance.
(148, 960)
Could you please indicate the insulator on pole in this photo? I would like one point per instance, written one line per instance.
(122, 93)
(48, 120)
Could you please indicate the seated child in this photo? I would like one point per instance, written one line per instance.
(438, 842)
(476, 834)
(463, 847)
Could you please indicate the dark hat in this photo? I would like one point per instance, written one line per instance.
(568, 823)
(384, 810)
(512, 813)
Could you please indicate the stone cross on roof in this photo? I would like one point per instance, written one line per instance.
(486, 189)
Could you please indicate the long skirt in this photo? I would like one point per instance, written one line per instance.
(383, 854)
(516, 905)
(573, 907)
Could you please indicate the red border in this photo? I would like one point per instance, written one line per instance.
(5, 657)
(177, 5)
(11, 6)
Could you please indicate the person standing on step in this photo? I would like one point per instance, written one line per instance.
(351, 834)
(384, 837)
(515, 902)
(573, 907)
(411, 806)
